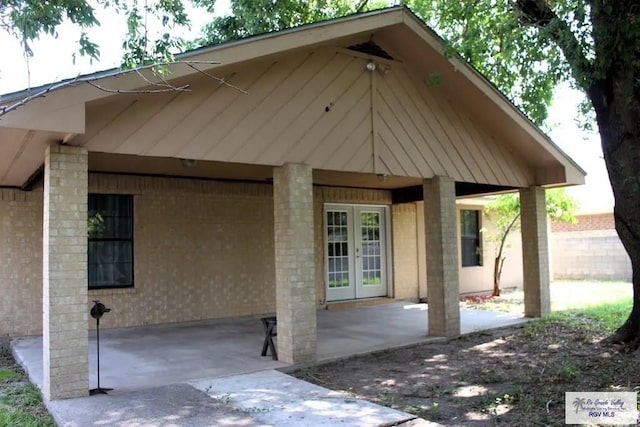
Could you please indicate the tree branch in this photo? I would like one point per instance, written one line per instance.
(162, 85)
(538, 13)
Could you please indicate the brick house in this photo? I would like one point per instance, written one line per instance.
(335, 177)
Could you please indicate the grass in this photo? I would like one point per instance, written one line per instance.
(8, 374)
(20, 401)
(565, 295)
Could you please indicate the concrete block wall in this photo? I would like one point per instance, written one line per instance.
(589, 255)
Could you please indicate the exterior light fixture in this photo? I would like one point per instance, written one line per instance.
(371, 66)
(187, 163)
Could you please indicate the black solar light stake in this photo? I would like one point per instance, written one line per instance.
(97, 311)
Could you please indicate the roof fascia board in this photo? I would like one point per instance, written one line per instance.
(296, 38)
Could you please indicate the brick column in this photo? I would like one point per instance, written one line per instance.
(64, 275)
(535, 252)
(295, 263)
(441, 229)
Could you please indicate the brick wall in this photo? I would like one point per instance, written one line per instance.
(21, 265)
(405, 251)
(586, 222)
(188, 234)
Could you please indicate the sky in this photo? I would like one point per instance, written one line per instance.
(53, 61)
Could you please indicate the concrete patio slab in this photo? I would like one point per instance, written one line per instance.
(343, 333)
(153, 356)
(211, 372)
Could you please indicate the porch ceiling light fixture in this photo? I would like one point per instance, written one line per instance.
(188, 163)
(382, 177)
(371, 66)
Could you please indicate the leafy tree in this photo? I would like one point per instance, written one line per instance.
(28, 20)
(504, 211)
(251, 17)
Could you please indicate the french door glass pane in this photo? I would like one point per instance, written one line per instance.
(371, 255)
(338, 249)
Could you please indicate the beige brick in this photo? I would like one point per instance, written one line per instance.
(64, 264)
(535, 252)
(443, 288)
(209, 254)
(295, 263)
(405, 251)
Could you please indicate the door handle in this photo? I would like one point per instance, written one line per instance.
(357, 252)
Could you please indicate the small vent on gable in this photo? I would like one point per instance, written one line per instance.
(370, 48)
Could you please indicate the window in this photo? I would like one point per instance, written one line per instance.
(110, 241)
(470, 238)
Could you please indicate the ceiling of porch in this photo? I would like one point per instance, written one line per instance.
(188, 168)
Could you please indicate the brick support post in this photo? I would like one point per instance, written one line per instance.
(64, 274)
(295, 263)
(443, 286)
(535, 252)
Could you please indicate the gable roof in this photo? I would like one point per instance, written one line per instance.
(393, 36)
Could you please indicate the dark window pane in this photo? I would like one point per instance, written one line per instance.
(110, 248)
(470, 238)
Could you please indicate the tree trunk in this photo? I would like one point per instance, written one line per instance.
(497, 269)
(499, 260)
(616, 100)
(623, 162)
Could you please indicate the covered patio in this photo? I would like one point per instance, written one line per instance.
(152, 356)
(332, 176)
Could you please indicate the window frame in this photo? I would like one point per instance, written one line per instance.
(113, 239)
(477, 238)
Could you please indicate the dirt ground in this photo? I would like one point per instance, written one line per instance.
(511, 377)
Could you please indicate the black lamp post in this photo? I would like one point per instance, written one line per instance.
(97, 311)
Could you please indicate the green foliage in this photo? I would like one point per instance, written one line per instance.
(95, 224)
(504, 212)
(138, 49)
(251, 17)
(568, 371)
(520, 60)
(27, 20)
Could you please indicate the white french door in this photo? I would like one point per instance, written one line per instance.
(355, 251)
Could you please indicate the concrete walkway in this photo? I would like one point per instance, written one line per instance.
(266, 398)
(146, 366)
